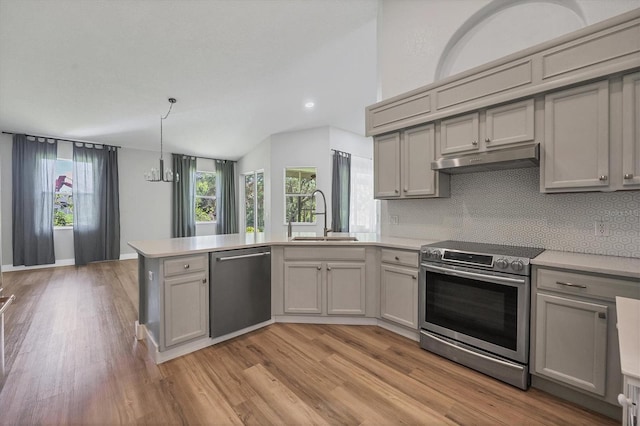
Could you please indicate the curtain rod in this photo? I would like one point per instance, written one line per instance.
(62, 140)
(203, 158)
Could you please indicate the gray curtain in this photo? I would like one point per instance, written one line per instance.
(183, 217)
(227, 212)
(340, 191)
(96, 204)
(32, 201)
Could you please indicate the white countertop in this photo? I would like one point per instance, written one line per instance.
(601, 264)
(208, 243)
(628, 311)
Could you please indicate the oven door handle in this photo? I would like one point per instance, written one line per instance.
(474, 275)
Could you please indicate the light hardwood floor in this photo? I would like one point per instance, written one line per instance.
(72, 358)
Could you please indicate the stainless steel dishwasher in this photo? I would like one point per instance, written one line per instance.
(240, 289)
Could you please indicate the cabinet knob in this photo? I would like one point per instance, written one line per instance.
(328, 268)
(204, 281)
(406, 189)
(186, 266)
(414, 277)
(628, 175)
(474, 143)
(487, 140)
(397, 258)
(602, 315)
(396, 191)
(603, 178)
(319, 268)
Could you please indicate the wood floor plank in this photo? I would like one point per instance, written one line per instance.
(72, 358)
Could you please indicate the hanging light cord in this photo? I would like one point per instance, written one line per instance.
(171, 102)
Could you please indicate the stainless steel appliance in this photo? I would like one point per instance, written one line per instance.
(474, 306)
(240, 289)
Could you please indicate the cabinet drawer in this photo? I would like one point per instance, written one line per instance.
(585, 284)
(324, 253)
(400, 257)
(184, 265)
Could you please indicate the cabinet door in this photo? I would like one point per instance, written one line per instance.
(510, 124)
(303, 287)
(346, 288)
(459, 134)
(386, 166)
(418, 151)
(577, 137)
(631, 131)
(571, 342)
(186, 308)
(399, 295)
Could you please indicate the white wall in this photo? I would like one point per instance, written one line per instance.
(145, 207)
(413, 35)
(350, 142)
(501, 207)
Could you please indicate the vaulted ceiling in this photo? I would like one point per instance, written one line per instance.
(102, 70)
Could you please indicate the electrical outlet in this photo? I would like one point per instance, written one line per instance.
(393, 219)
(150, 275)
(601, 228)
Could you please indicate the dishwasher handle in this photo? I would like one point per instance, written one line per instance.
(243, 256)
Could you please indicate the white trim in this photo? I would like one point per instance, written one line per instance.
(402, 331)
(303, 319)
(58, 263)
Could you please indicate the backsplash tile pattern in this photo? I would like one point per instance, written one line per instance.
(506, 207)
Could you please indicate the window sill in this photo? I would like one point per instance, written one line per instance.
(56, 228)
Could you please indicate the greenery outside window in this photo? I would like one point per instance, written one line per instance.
(63, 200)
(299, 183)
(205, 198)
(254, 202)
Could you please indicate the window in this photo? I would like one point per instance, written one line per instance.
(205, 197)
(63, 199)
(363, 209)
(254, 202)
(299, 183)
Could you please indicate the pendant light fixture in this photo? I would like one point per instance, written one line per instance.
(162, 175)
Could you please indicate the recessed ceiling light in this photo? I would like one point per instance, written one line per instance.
(309, 105)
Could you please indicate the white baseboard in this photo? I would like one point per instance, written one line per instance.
(61, 262)
(409, 334)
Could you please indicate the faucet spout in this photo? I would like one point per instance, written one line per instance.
(324, 213)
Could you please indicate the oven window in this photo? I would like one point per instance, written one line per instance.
(478, 309)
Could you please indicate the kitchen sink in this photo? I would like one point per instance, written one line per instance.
(329, 238)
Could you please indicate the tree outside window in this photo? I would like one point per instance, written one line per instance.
(299, 183)
(63, 200)
(205, 198)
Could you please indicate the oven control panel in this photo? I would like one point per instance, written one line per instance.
(501, 263)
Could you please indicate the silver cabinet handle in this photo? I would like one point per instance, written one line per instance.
(406, 189)
(186, 266)
(603, 178)
(474, 143)
(628, 175)
(328, 268)
(415, 277)
(204, 281)
(243, 256)
(487, 140)
(319, 267)
(571, 284)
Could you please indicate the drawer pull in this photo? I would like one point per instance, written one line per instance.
(628, 175)
(414, 277)
(571, 284)
(186, 266)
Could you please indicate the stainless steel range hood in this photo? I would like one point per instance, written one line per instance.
(510, 158)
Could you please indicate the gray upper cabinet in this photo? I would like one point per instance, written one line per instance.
(510, 124)
(631, 131)
(402, 165)
(460, 134)
(577, 138)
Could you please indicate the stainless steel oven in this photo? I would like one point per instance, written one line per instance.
(474, 306)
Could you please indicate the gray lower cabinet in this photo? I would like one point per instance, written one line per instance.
(571, 342)
(574, 341)
(306, 282)
(399, 287)
(399, 295)
(186, 308)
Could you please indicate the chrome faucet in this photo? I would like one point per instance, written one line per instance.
(324, 200)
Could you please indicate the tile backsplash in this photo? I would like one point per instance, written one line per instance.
(506, 207)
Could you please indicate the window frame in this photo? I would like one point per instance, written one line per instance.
(243, 197)
(287, 195)
(55, 193)
(208, 197)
